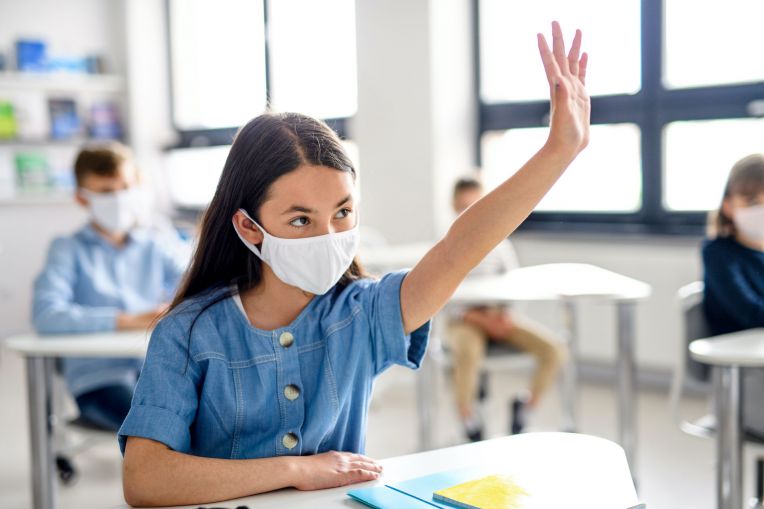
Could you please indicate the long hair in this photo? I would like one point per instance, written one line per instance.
(268, 147)
(746, 178)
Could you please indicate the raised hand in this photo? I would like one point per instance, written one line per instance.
(570, 105)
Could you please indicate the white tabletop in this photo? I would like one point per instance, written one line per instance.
(551, 282)
(558, 470)
(744, 348)
(101, 344)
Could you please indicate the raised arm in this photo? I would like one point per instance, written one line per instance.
(481, 227)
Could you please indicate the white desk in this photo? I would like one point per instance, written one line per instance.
(40, 353)
(727, 354)
(567, 283)
(559, 470)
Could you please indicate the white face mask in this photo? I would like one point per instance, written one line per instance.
(749, 221)
(313, 264)
(116, 212)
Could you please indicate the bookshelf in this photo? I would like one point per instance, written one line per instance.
(31, 95)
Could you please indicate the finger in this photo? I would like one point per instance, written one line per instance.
(558, 47)
(574, 54)
(582, 68)
(367, 465)
(361, 475)
(550, 65)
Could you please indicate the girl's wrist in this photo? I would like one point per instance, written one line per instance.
(292, 466)
(557, 153)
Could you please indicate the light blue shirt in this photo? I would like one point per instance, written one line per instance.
(231, 390)
(87, 281)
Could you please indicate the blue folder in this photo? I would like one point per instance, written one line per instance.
(414, 493)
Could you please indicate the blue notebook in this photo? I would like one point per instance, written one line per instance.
(414, 493)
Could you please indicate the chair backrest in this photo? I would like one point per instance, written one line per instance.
(695, 326)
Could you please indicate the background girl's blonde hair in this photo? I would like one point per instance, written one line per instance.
(746, 178)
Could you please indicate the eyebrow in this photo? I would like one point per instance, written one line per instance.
(306, 210)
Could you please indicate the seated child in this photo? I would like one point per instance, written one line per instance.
(733, 263)
(470, 329)
(110, 275)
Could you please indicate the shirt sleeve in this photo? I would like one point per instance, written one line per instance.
(166, 397)
(54, 309)
(390, 343)
(734, 293)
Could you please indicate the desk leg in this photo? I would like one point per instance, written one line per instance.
(570, 371)
(729, 468)
(627, 378)
(43, 477)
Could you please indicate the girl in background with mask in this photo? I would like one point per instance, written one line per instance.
(733, 262)
(110, 275)
(260, 375)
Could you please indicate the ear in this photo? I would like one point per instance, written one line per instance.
(80, 198)
(247, 228)
(727, 208)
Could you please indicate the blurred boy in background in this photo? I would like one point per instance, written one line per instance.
(113, 274)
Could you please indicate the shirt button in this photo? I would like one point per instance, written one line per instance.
(286, 339)
(290, 440)
(292, 392)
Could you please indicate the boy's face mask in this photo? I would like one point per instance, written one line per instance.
(749, 222)
(313, 264)
(116, 212)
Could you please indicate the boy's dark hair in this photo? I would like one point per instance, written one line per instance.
(103, 159)
(465, 184)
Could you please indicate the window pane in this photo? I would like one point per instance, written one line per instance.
(712, 43)
(218, 62)
(699, 156)
(313, 59)
(510, 66)
(606, 177)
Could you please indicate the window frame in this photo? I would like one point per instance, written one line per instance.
(651, 109)
(209, 137)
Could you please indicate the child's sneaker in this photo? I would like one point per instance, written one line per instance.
(519, 414)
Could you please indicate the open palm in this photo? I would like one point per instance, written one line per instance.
(570, 104)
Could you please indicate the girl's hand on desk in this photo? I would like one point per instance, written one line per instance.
(332, 469)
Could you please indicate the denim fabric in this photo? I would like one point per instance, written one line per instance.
(87, 281)
(231, 390)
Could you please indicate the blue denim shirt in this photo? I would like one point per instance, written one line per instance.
(236, 391)
(87, 281)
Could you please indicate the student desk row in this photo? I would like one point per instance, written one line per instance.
(555, 469)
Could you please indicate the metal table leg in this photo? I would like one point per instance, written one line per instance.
(729, 443)
(627, 376)
(570, 372)
(43, 478)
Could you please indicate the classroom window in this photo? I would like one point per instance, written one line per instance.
(699, 155)
(704, 47)
(611, 163)
(509, 58)
(231, 60)
(675, 101)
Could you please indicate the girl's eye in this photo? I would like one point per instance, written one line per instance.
(299, 222)
(343, 213)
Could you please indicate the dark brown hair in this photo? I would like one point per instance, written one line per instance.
(103, 159)
(268, 147)
(466, 183)
(746, 178)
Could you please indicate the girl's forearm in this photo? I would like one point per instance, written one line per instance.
(476, 232)
(157, 476)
